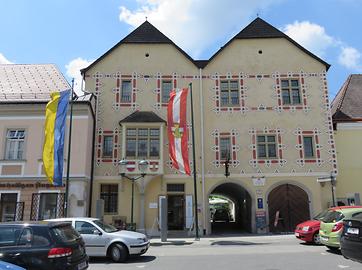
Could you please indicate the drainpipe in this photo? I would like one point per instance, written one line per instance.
(202, 150)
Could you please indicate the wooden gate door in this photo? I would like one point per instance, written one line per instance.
(288, 206)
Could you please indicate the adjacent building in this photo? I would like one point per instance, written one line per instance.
(347, 120)
(25, 193)
(261, 108)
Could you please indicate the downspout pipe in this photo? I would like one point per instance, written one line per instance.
(202, 151)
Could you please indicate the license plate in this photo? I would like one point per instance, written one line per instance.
(82, 265)
(353, 231)
(297, 234)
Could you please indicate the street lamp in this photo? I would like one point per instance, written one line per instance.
(142, 167)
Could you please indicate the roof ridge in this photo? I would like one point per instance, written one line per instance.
(344, 89)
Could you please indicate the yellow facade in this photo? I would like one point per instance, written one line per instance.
(258, 65)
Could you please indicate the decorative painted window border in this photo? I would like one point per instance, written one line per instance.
(255, 161)
(117, 91)
(99, 146)
(328, 123)
(232, 134)
(242, 92)
(301, 76)
(315, 133)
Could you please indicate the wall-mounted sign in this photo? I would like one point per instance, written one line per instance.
(260, 203)
(260, 218)
(153, 205)
(258, 181)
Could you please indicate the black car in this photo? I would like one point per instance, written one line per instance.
(351, 239)
(42, 246)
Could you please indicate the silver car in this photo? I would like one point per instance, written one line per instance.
(102, 239)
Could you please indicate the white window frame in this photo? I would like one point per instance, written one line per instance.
(16, 148)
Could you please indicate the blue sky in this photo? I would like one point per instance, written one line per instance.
(72, 34)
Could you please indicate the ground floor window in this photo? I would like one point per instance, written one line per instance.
(109, 193)
(8, 205)
(47, 205)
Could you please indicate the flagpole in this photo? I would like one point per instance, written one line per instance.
(69, 149)
(194, 163)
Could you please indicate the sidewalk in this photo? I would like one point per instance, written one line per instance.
(209, 240)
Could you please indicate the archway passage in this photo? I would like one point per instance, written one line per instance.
(239, 220)
(288, 206)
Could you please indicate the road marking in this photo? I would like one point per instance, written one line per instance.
(141, 266)
(343, 266)
(322, 253)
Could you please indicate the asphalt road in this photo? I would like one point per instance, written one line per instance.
(227, 253)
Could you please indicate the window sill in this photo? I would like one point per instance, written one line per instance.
(13, 160)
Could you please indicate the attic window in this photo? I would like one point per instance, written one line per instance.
(260, 51)
(147, 54)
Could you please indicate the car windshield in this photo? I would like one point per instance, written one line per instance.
(321, 215)
(105, 227)
(333, 216)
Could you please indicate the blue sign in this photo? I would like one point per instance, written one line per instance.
(260, 203)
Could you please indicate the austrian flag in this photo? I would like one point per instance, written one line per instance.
(177, 130)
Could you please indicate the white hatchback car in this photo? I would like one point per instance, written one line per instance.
(102, 239)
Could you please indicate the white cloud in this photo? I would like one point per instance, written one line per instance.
(73, 71)
(3, 60)
(350, 58)
(195, 24)
(311, 36)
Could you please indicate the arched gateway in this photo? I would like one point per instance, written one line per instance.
(288, 206)
(234, 199)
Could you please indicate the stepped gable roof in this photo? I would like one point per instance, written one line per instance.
(142, 117)
(347, 105)
(261, 29)
(146, 33)
(30, 82)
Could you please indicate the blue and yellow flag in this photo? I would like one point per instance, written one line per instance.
(53, 150)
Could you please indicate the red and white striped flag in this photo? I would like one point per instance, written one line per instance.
(177, 130)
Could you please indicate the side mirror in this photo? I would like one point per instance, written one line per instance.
(96, 232)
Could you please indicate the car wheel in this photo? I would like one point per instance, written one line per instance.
(316, 239)
(118, 253)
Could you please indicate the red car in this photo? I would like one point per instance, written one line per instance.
(308, 231)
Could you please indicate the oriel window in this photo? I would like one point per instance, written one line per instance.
(143, 143)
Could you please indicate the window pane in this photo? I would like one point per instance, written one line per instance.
(225, 148)
(234, 85)
(154, 147)
(130, 147)
(224, 98)
(286, 96)
(234, 95)
(271, 138)
(126, 91)
(131, 132)
(142, 148)
(107, 146)
(261, 138)
(166, 90)
(272, 153)
(308, 146)
(295, 83)
(296, 96)
(285, 84)
(224, 85)
(143, 132)
(154, 132)
(261, 151)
